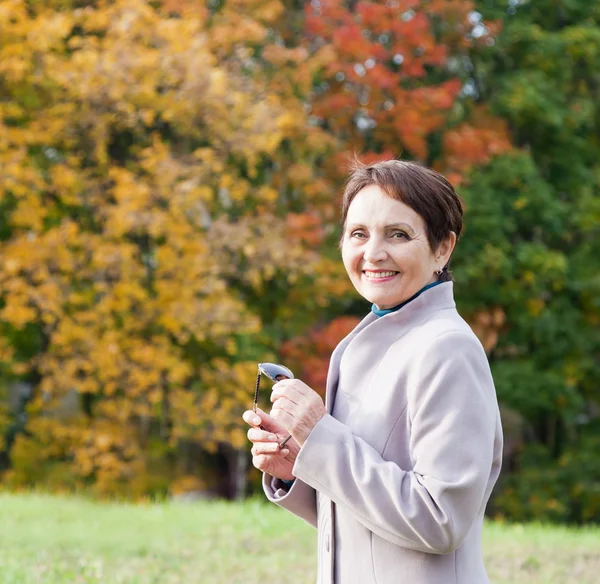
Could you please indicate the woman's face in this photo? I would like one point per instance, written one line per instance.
(385, 249)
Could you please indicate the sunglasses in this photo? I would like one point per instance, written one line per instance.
(275, 373)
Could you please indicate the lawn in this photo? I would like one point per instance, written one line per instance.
(59, 540)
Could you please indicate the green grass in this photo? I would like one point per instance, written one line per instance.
(59, 540)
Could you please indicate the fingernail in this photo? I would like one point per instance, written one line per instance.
(256, 420)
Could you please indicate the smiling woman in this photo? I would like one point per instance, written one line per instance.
(396, 467)
(386, 251)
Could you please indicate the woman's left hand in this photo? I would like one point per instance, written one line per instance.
(297, 407)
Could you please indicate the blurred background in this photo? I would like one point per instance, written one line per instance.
(170, 175)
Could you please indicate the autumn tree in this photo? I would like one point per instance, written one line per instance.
(156, 215)
(396, 80)
(170, 174)
(454, 84)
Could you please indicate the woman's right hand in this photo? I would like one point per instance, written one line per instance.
(266, 454)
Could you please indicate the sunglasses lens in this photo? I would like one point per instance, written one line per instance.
(272, 371)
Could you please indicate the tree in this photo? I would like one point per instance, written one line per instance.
(454, 84)
(396, 83)
(396, 80)
(532, 245)
(148, 169)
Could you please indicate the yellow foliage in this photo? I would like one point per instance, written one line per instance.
(133, 145)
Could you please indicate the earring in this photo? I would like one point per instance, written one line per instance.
(439, 271)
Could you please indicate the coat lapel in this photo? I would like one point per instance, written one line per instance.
(437, 298)
(334, 364)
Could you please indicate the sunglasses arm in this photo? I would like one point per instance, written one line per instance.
(261, 370)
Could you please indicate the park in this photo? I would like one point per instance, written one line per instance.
(171, 179)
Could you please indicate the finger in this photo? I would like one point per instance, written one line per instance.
(264, 462)
(251, 418)
(265, 448)
(261, 462)
(268, 423)
(288, 392)
(255, 435)
(286, 419)
(258, 419)
(288, 381)
(283, 403)
(295, 384)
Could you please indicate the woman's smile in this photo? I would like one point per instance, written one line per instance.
(379, 276)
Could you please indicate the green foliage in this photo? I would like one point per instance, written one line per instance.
(566, 489)
(536, 393)
(532, 245)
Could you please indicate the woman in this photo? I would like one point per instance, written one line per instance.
(396, 468)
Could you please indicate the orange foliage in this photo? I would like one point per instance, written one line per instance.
(309, 355)
(473, 143)
(380, 96)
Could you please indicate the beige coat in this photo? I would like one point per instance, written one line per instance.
(397, 476)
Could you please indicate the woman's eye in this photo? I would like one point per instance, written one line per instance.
(358, 234)
(399, 235)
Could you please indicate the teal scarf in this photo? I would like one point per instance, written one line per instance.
(383, 312)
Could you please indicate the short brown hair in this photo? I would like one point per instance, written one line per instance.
(424, 190)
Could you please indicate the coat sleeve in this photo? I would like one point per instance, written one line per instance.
(299, 498)
(431, 507)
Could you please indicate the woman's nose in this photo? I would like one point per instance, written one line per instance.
(375, 251)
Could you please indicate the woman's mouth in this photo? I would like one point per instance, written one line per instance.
(380, 276)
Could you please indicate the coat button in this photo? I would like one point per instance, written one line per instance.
(327, 542)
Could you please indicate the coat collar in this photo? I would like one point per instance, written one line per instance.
(429, 301)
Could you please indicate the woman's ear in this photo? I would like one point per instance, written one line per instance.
(446, 248)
